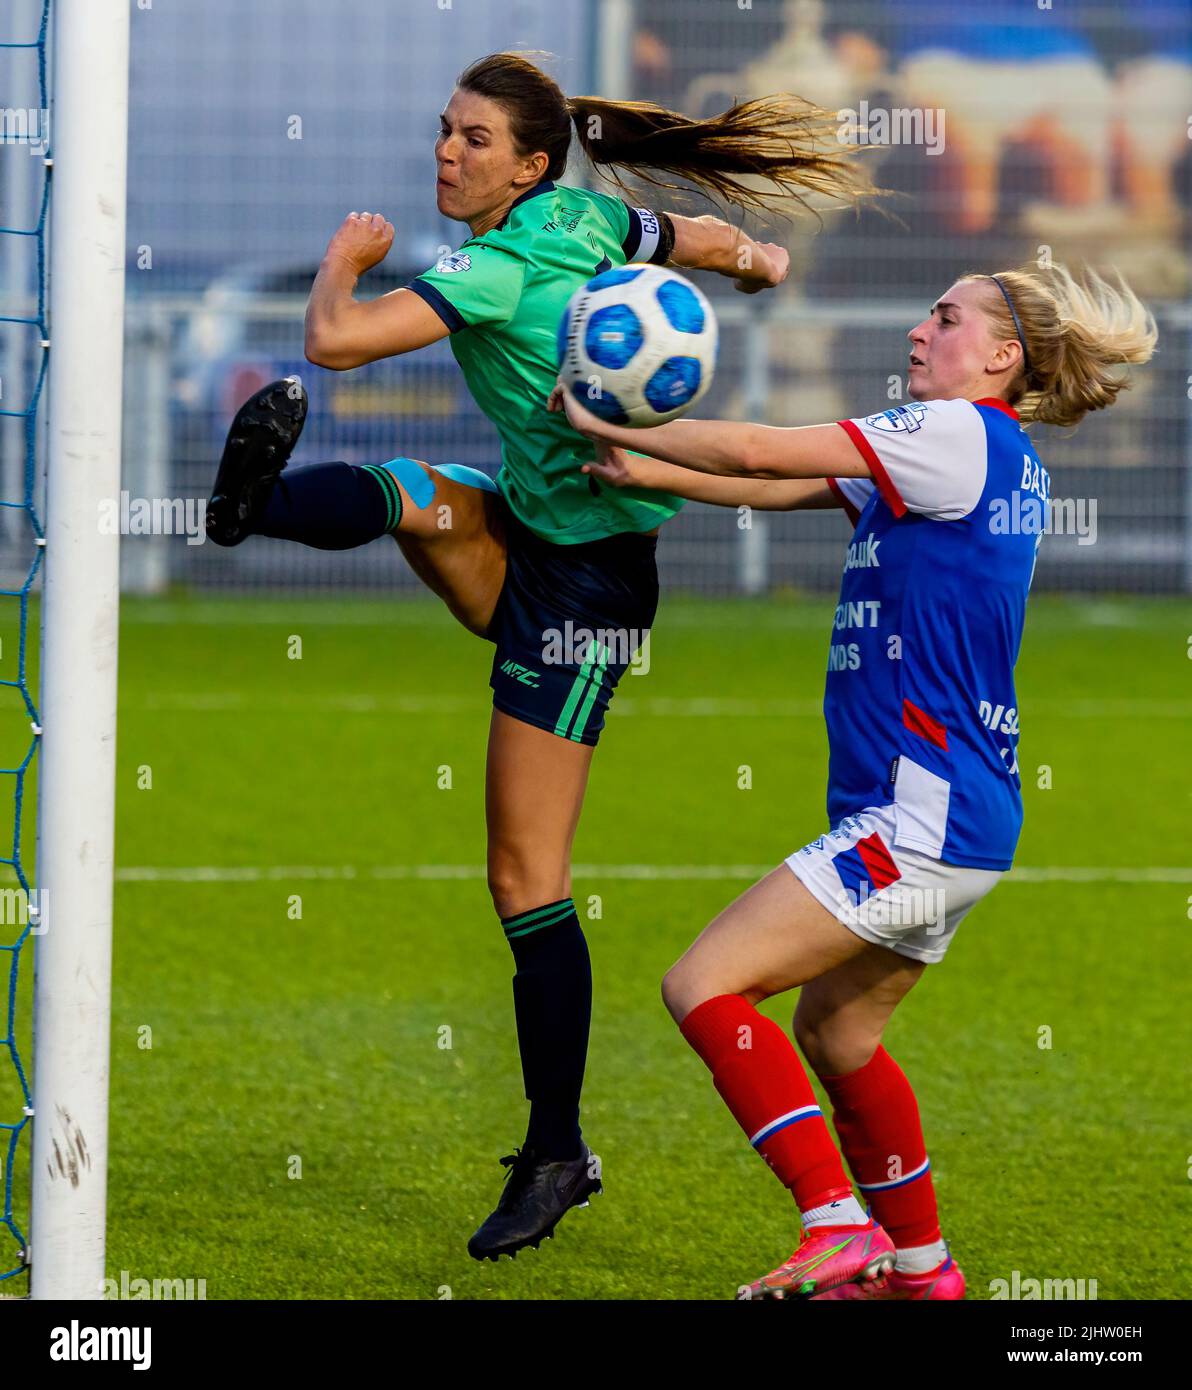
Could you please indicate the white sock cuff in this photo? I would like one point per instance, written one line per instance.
(921, 1259)
(846, 1211)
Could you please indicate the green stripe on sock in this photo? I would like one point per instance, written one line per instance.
(524, 918)
(389, 487)
(555, 916)
(375, 473)
(397, 502)
(538, 926)
(540, 922)
(593, 690)
(396, 493)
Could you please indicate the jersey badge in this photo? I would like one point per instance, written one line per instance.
(903, 419)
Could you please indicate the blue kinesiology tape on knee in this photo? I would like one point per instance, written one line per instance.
(412, 476)
(469, 477)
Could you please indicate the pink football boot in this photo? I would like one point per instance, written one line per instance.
(946, 1282)
(827, 1257)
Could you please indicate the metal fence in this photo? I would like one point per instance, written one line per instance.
(798, 363)
(253, 129)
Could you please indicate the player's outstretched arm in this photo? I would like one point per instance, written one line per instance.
(342, 333)
(620, 468)
(730, 448)
(709, 243)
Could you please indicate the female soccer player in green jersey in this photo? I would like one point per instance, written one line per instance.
(539, 554)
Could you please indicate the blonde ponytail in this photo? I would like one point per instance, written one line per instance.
(1079, 333)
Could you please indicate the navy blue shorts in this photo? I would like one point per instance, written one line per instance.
(569, 621)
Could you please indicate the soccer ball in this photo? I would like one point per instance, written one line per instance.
(637, 345)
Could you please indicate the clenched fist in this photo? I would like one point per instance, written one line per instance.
(362, 241)
(768, 266)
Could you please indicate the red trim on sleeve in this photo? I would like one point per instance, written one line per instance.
(920, 722)
(879, 862)
(853, 514)
(1003, 406)
(887, 489)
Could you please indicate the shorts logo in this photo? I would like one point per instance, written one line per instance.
(520, 673)
(903, 419)
(458, 260)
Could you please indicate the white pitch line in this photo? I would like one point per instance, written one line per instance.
(1059, 874)
(648, 872)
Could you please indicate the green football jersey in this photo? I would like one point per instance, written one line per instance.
(502, 295)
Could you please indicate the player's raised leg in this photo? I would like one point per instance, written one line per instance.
(774, 937)
(839, 1024)
(446, 520)
(534, 792)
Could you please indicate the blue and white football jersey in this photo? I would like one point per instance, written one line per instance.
(920, 701)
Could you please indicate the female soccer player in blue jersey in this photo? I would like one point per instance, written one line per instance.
(949, 502)
(541, 551)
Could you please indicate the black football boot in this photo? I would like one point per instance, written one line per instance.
(260, 442)
(537, 1195)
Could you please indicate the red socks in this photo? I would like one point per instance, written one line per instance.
(757, 1071)
(760, 1078)
(877, 1121)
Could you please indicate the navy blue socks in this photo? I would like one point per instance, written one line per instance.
(332, 506)
(552, 998)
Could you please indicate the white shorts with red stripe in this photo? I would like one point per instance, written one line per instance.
(891, 896)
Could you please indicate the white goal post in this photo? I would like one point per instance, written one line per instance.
(80, 610)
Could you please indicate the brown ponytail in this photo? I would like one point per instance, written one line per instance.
(783, 140)
(786, 142)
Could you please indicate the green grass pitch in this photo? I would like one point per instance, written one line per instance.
(278, 1039)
